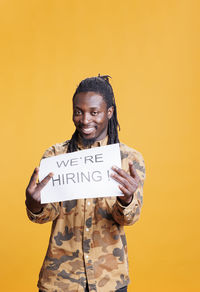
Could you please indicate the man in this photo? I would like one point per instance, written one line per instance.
(87, 248)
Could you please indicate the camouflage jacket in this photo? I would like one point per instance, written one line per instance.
(87, 241)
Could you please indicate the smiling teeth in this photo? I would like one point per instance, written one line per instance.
(87, 130)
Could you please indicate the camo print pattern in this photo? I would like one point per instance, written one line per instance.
(87, 241)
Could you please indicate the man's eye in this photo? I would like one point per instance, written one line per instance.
(94, 113)
(77, 113)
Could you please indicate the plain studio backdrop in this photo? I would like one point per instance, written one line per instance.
(151, 50)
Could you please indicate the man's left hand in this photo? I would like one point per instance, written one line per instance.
(128, 183)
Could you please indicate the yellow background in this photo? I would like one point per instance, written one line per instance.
(151, 50)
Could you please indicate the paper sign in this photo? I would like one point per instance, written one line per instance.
(81, 174)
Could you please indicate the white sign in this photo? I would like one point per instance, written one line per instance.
(81, 174)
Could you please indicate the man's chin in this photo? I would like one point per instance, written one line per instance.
(87, 141)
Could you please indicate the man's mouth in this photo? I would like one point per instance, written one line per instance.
(87, 130)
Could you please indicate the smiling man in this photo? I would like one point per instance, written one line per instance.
(87, 247)
(91, 116)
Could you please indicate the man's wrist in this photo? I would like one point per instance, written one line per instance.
(34, 209)
(125, 202)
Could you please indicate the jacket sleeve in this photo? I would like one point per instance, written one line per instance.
(128, 215)
(49, 213)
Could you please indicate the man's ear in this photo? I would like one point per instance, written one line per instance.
(110, 112)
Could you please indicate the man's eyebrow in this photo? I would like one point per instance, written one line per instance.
(91, 108)
(94, 107)
(77, 108)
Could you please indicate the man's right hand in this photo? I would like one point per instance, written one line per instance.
(33, 197)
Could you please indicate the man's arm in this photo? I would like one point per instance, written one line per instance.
(37, 212)
(126, 210)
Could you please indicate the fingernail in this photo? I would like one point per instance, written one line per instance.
(114, 167)
(51, 174)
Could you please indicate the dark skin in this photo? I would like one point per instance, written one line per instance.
(128, 184)
(33, 196)
(90, 117)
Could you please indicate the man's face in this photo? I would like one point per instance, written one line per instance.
(91, 116)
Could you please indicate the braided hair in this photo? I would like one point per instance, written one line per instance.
(100, 85)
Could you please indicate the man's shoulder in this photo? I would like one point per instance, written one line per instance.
(126, 150)
(133, 155)
(56, 149)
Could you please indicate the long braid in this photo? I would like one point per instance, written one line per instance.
(102, 86)
(112, 128)
(72, 144)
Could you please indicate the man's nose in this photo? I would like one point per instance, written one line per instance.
(86, 118)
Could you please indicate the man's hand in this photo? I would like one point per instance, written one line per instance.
(128, 183)
(33, 197)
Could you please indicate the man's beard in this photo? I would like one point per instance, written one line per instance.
(87, 142)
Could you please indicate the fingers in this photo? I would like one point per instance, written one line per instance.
(124, 182)
(34, 177)
(125, 191)
(128, 183)
(123, 176)
(43, 183)
(133, 172)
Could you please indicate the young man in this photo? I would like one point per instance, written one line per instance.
(87, 247)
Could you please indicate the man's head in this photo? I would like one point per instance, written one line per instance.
(94, 112)
(91, 116)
